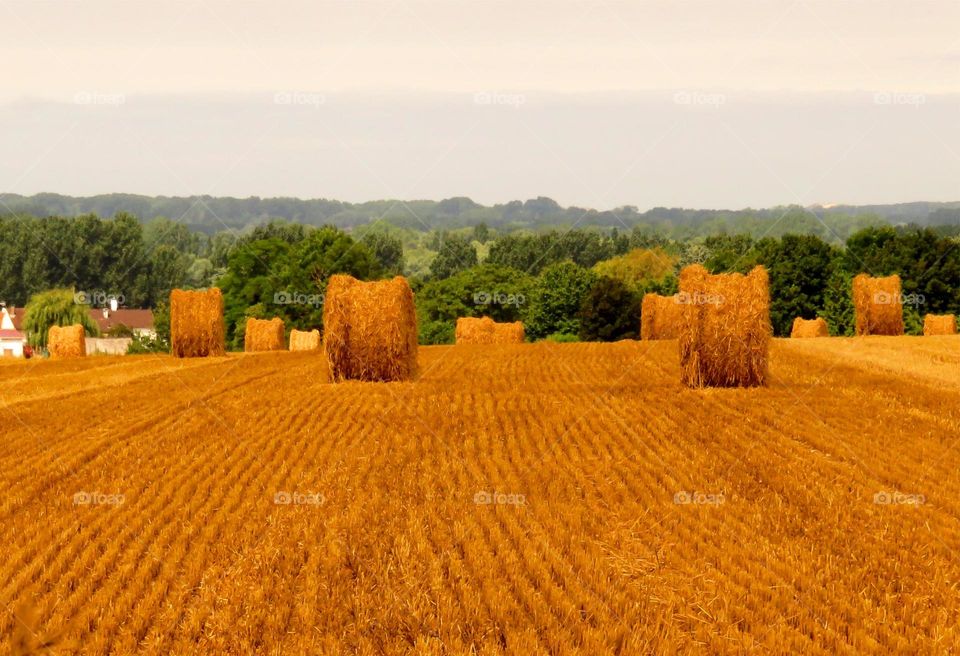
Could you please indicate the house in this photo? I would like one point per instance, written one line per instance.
(12, 340)
(140, 322)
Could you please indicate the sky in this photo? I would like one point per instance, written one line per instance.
(718, 104)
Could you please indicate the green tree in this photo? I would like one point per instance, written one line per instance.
(557, 297)
(610, 311)
(55, 307)
(838, 309)
(481, 233)
(729, 253)
(455, 254)
(387, 249)
(799, 267)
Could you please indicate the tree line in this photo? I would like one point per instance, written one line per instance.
(209, 215)
(563, 284)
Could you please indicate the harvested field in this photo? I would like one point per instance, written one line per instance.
(517, 498)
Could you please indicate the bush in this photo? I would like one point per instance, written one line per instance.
(610, 311)
(557, 297)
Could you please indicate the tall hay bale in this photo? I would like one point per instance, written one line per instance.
(263, 335)
(65, 342)
(304, 340)
(940, 324)
(809, 328)
(878, 305)
(659, 317)
(471, 330)
(724, 328)
(370, 329)
(196, 323)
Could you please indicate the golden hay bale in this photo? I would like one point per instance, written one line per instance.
(724, 328)
(940, 324)
(878, 305)
(263, 335)
(659, 317)
(370, 329)
(304, 340)
(485, 330)
(196, 323)
(809, 328)
(64, 342)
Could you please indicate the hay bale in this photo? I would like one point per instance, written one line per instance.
(65, 342)
(370, 329)
(471, 330)
(724, 328)
(878, 305)
(196, 323)
(809, 328)
(940, 324)
(263, 335)
(659, 317)
(304, 340)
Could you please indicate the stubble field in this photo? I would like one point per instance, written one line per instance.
(535, 498)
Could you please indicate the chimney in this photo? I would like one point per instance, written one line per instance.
(113, 304)
(106, 313)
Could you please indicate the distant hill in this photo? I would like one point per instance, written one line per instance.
(211, 214)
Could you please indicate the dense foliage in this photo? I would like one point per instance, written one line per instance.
(556, 281)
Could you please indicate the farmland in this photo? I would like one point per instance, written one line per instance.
(517, 498)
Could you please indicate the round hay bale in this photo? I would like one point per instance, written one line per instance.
(66, 342)
(196, 323)
(878, 305)
(659, 317)
(725, 328)
(809, 328)
(304, 340)
(370, 329)
(263, 335)
(471, 330)
(940, 324)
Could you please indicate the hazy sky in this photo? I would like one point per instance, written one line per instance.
(724, 103)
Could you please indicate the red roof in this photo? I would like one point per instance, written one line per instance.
(11, 334)
(134, 319)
